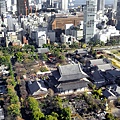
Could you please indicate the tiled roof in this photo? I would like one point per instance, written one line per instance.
(35, 86)
(105, 67)
(107, 93)
(97, 62)
(115, 73)
(97, 77)
(72, 77)
(73, 85)
(71, 72)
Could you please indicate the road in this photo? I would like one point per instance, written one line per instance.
(107, 48)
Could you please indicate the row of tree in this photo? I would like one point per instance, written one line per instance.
(12, 100)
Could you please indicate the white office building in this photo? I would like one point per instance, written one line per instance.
(115, 5)
(12, 5)
(101, 5)
(64, 5)
(2, 6)
(108, 32)
(90, 12)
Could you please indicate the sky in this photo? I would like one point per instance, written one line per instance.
(106, 1)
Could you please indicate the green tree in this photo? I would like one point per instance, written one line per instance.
(19, 56)
(66, 114)
(63, 46)
(4, 60)
(50, 117)
(43, 69)
(97, 93)
(44, 57)
(74, 45)
(109, 116)
(33, 104)
(29, 48)
(36, 56)
(56, 53)
(62, 58)
(37, 115)
(46, 45)
(14, 99)
(84, 45)
(55, 114)
(102, 43)
(34, 108)
(57, 102)
(14, 109)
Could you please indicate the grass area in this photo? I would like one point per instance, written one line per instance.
(115, 63)
(116, 52)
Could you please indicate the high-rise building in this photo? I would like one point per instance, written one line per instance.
(49, 2)
(100, 5)
(115, 5)
(90, 11)
(118, 9)
(12, 6)
(2, 6)
(22, 7)
(10, 23)
(64, 5)
(118, 14)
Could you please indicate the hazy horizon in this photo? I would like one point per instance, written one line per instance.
(84, 1)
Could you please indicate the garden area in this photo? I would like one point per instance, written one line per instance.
(49, 108)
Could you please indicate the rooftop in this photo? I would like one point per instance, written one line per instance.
(97, 77)
(81, 51)
(115, 72)
(71, 72)
(1, 114)
(96, 62)
(37, 86)
(108, 94)
(43, 50)
(105, 67)
(73, 85)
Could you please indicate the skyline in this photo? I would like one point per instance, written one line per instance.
(83, 1)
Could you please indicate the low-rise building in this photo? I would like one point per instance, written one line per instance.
(96, 62)
(107, 34)
(39, 37)
(112, 92)
(2, 39)
(75, 31)
(67, 39)
(102, 72)
(51, 36)
(42, 39)
(60, 21)
(12, 39)
(1, 114)
(37, 88)
(71, 79)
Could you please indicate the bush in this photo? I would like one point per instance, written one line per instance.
(43, 69)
